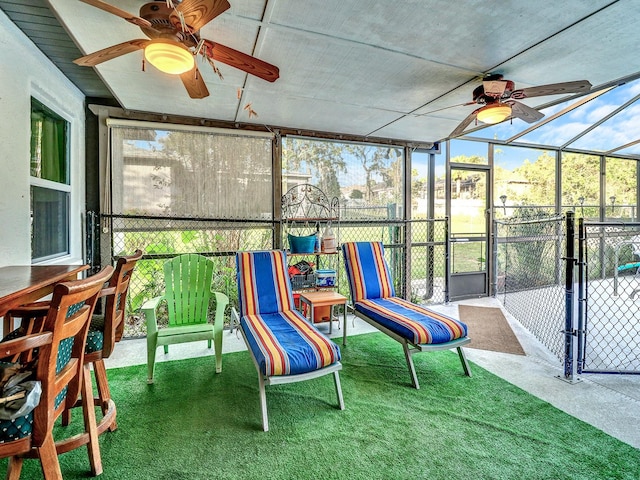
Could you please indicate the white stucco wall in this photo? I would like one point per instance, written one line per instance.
(24, 73)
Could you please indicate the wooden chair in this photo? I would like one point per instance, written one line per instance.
(284, 346)
(187, 295)
(62, 373)
(105, 331)
(417, 328)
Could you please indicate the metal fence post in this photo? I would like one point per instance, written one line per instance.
(569, 367)
(581, 294)
(494, 248)
(447, 269)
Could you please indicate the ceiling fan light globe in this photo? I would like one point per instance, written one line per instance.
(495, 113)
(169, 57)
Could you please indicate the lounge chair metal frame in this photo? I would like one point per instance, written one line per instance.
(264, 380)
(408, 346)
(296, 350)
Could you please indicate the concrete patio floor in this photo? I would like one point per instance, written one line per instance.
(608, 402)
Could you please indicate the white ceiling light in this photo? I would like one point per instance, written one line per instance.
(494, 113)
(169, 56)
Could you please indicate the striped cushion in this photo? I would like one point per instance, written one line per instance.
(285, 343)
(373, 295)
(263, 283)
(367, 270)
(415, 323)
(282, 341)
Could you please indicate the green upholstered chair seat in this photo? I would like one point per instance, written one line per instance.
(95, 337)
(13, 334)
(16, 428)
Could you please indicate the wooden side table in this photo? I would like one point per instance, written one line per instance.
(325, 298)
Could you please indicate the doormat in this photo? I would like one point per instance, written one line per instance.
(488, 329)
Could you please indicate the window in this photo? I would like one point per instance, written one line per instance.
(524, 181)
(462, 151)
(581, 184)
(50, 183)
(366, 178)
(621, 189)
(190, 172)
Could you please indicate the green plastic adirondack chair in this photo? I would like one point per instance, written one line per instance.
(187, 294)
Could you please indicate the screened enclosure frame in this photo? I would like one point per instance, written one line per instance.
(409, 250)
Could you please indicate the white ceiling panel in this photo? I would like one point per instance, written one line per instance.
(333, 70)
(360, 67)
(328, 116)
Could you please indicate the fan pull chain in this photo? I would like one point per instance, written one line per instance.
(199, 47)
(183, 24)
(143, 64)
(215, 69)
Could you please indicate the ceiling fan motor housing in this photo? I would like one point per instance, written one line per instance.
(159, 15)
(503, 90)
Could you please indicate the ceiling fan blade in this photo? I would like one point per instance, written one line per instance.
(524, 112)
(578, 86)
(241, 61)
(194, 83)
(141, 22)
(197, 13)
(464, 124)
(110, 53)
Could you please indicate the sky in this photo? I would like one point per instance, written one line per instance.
(621, 129)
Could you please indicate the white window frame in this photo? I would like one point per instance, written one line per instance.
(55, 186)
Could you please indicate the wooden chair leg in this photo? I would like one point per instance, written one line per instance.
(89, 413)
(15, 467)
(104, 393)
(49, 459)
(66, 417)
(102, 384)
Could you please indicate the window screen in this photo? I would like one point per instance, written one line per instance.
(192, 174)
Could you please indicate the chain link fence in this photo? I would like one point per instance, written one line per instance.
(610, 282)
(162, 238)
(428, 261)
(528, 274)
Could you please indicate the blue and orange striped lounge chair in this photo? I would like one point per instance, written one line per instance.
(417, 328)
(284, 346)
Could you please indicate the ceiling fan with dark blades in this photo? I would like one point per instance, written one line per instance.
(174, 41)
(499, 97)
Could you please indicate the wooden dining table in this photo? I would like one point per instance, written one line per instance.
(22, 284)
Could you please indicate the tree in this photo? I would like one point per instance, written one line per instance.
(372, 159)
(323, 158)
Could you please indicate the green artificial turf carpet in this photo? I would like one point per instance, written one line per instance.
(194, 424)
